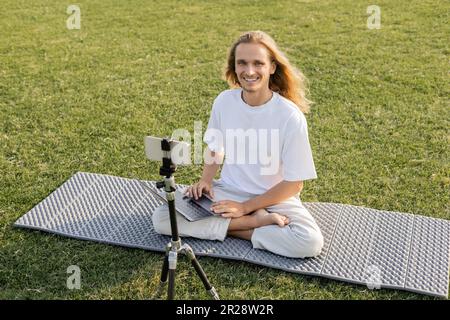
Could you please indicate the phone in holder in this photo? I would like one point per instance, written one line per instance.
(180, 151)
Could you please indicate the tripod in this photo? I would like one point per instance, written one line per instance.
(174, 247)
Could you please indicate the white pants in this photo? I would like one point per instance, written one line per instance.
(301, 238)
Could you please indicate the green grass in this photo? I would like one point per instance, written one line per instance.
(82, 100)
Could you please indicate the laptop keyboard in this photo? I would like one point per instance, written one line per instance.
(186, 206)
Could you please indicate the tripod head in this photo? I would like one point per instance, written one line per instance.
(168, 168)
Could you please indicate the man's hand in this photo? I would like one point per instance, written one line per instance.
(197, 189)
(229, 208)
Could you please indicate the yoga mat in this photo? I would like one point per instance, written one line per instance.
(377, 248)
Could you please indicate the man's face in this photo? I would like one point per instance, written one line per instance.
(253, 67)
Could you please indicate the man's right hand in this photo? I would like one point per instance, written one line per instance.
(196, 190)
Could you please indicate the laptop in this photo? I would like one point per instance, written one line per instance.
(188, 207)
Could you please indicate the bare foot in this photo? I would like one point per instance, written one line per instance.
(264, 218)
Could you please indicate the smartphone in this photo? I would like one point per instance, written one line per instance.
(180, 151)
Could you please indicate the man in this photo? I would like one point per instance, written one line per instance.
(253, 201)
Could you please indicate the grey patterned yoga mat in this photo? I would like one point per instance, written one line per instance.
(364, 246)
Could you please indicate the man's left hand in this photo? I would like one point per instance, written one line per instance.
(229, 208)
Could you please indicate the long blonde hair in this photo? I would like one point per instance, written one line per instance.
(287, 80)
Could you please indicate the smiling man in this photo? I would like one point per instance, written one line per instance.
(253, 68)
(266, 101)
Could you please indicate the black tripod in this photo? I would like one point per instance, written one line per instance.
(174, 246)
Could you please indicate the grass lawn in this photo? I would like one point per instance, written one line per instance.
(82, 100)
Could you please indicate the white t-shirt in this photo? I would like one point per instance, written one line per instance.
(263, 145)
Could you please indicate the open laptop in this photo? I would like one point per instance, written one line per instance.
(188, 207)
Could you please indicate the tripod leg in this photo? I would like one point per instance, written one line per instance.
(172, 263)
(164, 272)
(200, 272)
